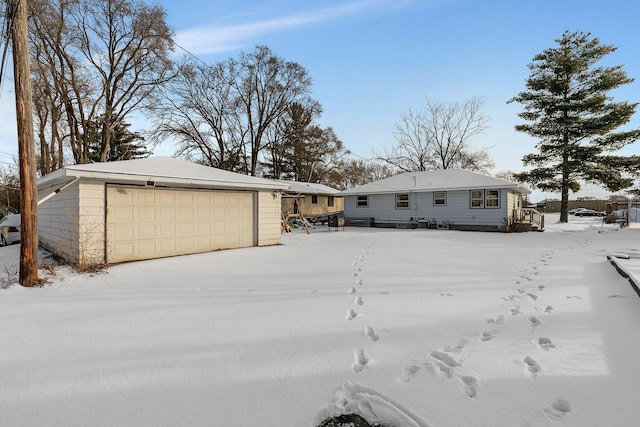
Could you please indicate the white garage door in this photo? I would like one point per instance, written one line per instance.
(145, 223)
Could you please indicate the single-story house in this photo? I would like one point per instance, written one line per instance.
(449, 198)
(310, 199)
(150, 208)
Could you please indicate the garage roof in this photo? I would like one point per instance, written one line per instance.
(162, 171)
(297, 187)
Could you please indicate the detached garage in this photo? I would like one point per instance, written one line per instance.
(152, 208)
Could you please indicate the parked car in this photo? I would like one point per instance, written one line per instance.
(574, 210)
(10, 230)
(589, 212)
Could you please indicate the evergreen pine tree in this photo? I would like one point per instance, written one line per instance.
(574, 118)
(125, 145)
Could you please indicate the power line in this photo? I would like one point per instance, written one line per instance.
(191, 54)
(9, 14)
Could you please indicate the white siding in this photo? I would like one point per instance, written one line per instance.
(91, 225)
(269, 215)
(58, 222)
(513, 203)
(382, 207)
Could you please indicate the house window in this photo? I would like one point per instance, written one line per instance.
(362, 201)
(402, 201)
(440, 198)
(477, 198)
(485, 198)
(314, 199)
(492, 199)
(330, 201)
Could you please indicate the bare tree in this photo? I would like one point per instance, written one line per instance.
(414, 148)
(57, 84)
(298, 148)
(127, 43)
(198, 110)
(9, 190)
(267, 88)
(439, 137)
(96, 59)
(350, 173)
(227, 115)
(507, 175)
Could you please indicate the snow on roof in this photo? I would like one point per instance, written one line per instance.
(162, 170)
(438, 180)
(308, 188)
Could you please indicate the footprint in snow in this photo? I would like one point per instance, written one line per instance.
(359, 300)
(617, 296)
(368, 331)
(359, 360)
(446, 294)
(469, 385)
(498, 320)
(547, 309)
(351, 290)
(439, 369)
(488, 335)
(531, 367)
(457, 348)
(541, 288)
(534, 321)
(359, 282)
(351, 314)
(515, 310)
(408, 373)
(545, 343)
(445, 358)
(532, 296)
(573, 297)
(558, 409)
(442, 364)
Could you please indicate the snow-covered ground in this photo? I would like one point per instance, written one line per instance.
(408, 327)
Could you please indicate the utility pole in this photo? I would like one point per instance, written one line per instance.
(26, 149)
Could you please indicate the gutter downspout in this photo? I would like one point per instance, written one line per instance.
(50, 195)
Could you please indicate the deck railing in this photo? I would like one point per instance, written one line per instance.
(529, 216)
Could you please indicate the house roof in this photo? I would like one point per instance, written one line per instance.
(438, 180)
(297, 187)
(163, 171)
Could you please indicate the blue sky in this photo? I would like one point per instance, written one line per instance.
(373, 60)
